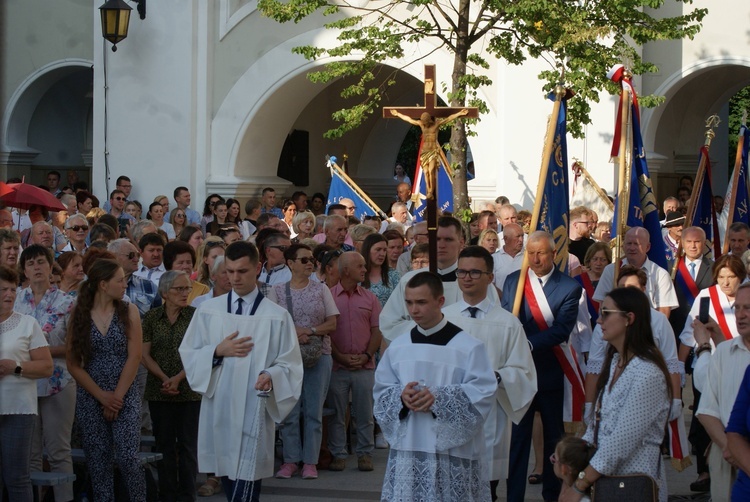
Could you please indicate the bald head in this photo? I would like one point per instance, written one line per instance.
(508, 214)
(637, 245)
(513, 237)
(352, 268)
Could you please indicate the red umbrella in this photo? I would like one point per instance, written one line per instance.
(23, 196)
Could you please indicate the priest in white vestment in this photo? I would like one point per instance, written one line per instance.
(237, 346)
(434, 388)
(508, 351)
(395, 319)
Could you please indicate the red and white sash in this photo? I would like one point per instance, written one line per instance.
(542, 313)
(678, 445)
(721, 319)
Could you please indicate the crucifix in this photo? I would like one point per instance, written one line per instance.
(430, 118)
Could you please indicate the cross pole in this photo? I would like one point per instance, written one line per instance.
(436, 112)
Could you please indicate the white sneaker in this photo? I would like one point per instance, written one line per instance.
(380, 442)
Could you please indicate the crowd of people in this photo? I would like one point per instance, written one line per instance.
(216, 333)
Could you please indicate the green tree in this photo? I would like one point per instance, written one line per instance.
(581, 38)
(738, 105)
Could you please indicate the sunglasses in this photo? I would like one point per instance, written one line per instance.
(281, 248)
(78, 228)
(605, 313)
(214, 244)
(119, 198)
(329, 257)
(129, 255)
(305, 260)
(179, 215)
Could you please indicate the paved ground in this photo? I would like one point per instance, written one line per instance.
(353, 485)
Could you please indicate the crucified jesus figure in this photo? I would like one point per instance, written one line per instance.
(430, 156)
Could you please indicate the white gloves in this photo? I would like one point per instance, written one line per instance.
(676, 411)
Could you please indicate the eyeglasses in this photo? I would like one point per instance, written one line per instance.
(604, 313)
(419, 263)
(215, 244)
(473, 273)
(184, 289)
(281, 248)
(78, 228)
(368, 217)
(583, 222)
(179, 215)
(118, 198)
(305, 260)
(129, 255)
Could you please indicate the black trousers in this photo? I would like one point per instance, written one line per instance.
(176, 432)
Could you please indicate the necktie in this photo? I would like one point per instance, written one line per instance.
(692, 270)
(540, 282)
(151, 272)
(240, 301)
(473, 311)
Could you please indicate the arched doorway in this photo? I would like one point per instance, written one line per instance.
(677, 129)
(48, 124)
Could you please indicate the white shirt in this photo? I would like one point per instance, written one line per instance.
(505, 265)
(277, 275)
(483, 307)
(152, 274)
(687, 337)
(247, 301)
(659, 287)
(718, 376)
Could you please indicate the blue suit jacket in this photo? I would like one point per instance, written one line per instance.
(563, 294)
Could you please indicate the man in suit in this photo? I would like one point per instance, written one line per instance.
(562, 295)
(693, 264)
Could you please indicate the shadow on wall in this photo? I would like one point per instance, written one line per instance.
(526, 198)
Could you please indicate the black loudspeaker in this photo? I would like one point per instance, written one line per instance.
(294, 163)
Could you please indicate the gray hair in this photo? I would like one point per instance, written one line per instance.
(139, 228)
(68, 199)
(77, 216)
(218, 262)
(41, 223)
(397, 205)
(398, 227)
(320, 220)
(541, 235)
(168, 279)
(9, 235)
(118, 245)
(331, 219)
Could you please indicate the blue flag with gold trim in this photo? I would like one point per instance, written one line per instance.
(643, 210)
(553, 215)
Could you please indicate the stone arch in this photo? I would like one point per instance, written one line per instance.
(675, 130)
(20, 121)
(271, 98)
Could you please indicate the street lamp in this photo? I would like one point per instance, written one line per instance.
(115, 18)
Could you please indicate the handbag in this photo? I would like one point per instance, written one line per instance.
(313, 349)
(624, 488)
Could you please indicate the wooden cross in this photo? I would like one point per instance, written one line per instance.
(431, 149)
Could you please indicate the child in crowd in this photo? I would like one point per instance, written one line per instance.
(571, 456)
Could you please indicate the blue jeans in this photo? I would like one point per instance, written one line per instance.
(360, 383)
(15, 456)
(239, 486)
(314, 390)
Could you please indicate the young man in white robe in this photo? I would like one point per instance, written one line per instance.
(434, 388)
(238, 346)
(394, 319)
(508, 351)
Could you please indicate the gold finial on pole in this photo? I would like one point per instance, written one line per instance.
(711, 122)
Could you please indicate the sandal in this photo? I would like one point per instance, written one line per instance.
(534, 478)
(210, 487)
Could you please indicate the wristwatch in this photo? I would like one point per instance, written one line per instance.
(314, 331)
(19, 370)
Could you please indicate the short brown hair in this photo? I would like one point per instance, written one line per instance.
(733, 263)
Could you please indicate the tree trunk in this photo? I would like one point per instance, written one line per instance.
(458, 93)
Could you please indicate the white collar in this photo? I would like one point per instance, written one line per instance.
(485, 305)
(443, 271)
(433, 329)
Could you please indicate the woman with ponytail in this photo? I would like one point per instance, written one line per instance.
(104, 351)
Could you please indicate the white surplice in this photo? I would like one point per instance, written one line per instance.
(438, 455)
(395, 319)
(510, 355)
(231, 442)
